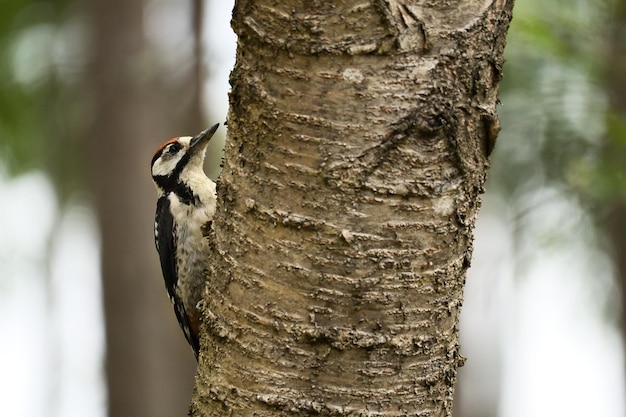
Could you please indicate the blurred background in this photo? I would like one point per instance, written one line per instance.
(88, 90)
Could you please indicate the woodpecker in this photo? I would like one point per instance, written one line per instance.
(185, 209)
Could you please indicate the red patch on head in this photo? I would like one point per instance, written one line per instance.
(160, 148)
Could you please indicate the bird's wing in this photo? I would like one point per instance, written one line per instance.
(165, 240)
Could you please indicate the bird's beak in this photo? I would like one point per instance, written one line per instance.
(199, 142)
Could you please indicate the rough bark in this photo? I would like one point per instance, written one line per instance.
(358, 143)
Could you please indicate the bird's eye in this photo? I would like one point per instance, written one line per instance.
(173, 148)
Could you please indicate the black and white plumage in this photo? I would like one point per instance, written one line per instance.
(185, 209)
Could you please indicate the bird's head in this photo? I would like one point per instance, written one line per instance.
(179, 159)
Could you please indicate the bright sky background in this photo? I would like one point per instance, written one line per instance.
(543, 322)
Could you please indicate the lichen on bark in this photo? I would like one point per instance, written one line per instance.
(358, 143)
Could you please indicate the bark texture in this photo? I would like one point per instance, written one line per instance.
(359, 135)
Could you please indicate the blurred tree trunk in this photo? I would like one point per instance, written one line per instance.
(615, 148)
(359, 135)
(149, 366)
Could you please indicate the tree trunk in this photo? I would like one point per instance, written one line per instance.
(614, 151)
(359, 135)
(149, 365)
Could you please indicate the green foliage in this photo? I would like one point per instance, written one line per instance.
(35, 48)
(554, 99)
